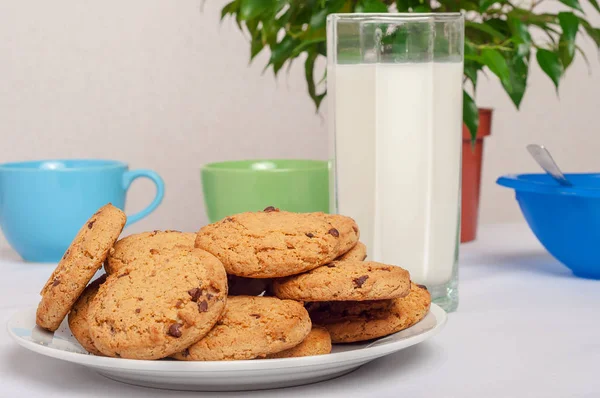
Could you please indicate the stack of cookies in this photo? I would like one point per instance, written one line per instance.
(268, 284)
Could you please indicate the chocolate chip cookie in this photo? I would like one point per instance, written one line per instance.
(345, 281)
(138, 249)
(252, 327)
(358, 253)
(318, 342)
(153, 312)
(78, 316)
(79, 264)
(349, 322)
(275, 243)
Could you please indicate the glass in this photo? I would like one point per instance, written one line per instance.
(395, 99)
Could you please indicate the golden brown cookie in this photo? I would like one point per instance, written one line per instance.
(240, 286)
(348, 322)
(78, 316)
(137, 249)
(318, 342)
(275, 243)
(252, 327)
(153, 312)
(79, 264)
(357, 253)
(345, 281)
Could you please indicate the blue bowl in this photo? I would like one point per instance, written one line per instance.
(566, 220)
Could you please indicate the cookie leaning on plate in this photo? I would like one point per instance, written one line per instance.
(275, 243)
(79, 264)
(78, 316)
(345, 281)
(318, 342)
(134, 249)
(153, 312)
(252, 327)
(349, 322)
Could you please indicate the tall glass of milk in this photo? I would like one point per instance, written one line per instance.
(395, 91)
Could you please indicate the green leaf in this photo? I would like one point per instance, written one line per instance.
(573, 4)
(371, 6)
(550, 64)
(318, 20)
(256, 45)
(566, 46)
(422, 8)
(521, 36)
(494, 60)
(485, 4)
(470, 114)
(402, 5)
(470, 71)
(485, 28)
(230, 8)
(470, 48)
(252, 25)
(281, 52)
(269, 32)
(500, 25)
(250, 9)
(306, 44)
(518, 67)
(594, 33)
(309, 70)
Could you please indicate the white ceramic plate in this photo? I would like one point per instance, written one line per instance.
(223, 375)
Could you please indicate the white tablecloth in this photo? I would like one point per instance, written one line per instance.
(524, 328)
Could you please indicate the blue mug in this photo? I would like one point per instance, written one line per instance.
(43, 204)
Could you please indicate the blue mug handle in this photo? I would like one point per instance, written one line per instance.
(129, 177)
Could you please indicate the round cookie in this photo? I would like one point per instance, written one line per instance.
(153, 312)
(81, 261)
(345, 281)
(78, 316)
(318, 342)
(347, 324)
(357, 253)
(240, 286)
(136, 249)
(275, 243)
(252, 327)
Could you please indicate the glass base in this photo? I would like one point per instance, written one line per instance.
(446, 296)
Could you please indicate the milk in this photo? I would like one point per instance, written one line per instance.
(398, 138)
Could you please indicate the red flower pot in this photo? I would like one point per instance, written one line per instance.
(472, 158)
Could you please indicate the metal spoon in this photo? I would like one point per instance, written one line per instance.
(546, 162)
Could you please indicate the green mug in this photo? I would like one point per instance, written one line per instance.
(251, 185)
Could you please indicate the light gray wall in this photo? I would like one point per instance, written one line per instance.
(163, 85)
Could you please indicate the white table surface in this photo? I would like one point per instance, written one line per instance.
(524, 328)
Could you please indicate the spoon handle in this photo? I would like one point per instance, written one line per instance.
(546, 162)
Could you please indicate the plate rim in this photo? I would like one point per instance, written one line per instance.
(98, 362)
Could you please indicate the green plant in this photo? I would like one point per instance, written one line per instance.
(498, 36)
